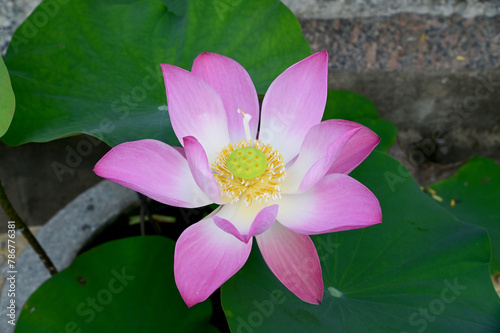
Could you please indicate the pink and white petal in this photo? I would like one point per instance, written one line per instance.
(206, 257)
(355, 151)
(245, 222)
(320, 148)
(180, 150)
(234, 86)
(337, 202)
(154, 169)
(264, 220)
(195, 109)
(293, 259)
(228, 227)
(200, 169)
(294, 103)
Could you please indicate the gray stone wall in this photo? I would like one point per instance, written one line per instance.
(328, 9)
(12, 14)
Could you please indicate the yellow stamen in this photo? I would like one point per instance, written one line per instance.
(259, 189)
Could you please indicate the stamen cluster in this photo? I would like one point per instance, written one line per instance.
(260, 189)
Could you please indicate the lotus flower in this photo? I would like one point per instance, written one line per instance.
(279, 182)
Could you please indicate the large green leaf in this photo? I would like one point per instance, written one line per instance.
(7, 99)
(347, 105)
(473, 195)
(121, 286)
(93, 66)
(421, 270)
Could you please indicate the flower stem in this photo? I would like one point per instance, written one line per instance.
(11, 212)
(146, 211)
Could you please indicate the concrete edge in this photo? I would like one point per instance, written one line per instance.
(324, 9)
(62, 237)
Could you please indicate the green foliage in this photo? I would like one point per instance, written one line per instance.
(347, 105)
(7, 99)
(94, 66)
(121, 286)
(475, 191)
(420, 270)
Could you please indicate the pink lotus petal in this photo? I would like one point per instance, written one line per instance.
(228, 227)
(261, 222)
(154, 169)
(294, 103)
(234, 86)
(355, 151)
(205, 258)
(195, 109)
(245, 222)
(320, 148)
(200, 169)
(293, 259)
(264, 220)
(180, 150)
(337, 202)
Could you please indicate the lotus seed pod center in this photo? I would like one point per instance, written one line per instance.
(247, 162)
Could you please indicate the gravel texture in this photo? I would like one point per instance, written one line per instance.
(407, 41)
(328, 9)
(12, 14)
